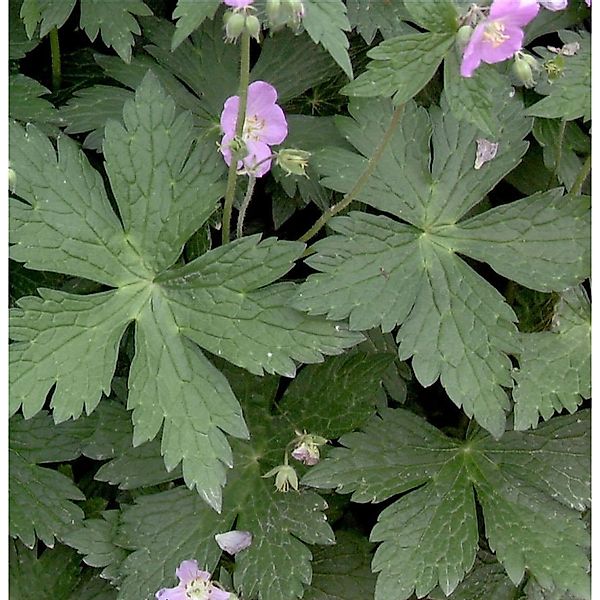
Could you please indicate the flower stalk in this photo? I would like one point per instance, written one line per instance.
(241, 117)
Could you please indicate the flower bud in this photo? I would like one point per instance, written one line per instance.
(297, 9)
(253, 27)
(234, 26)
(522, 71)
(273, 10)
(293, 162)
(463, 35)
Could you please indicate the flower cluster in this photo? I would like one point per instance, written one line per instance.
(265, 125)
(194, 584)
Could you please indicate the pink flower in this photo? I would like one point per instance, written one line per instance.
(554, 5)
(238, 3)
(265, 125)
(500, 35)
(194, 584)
(589, 3)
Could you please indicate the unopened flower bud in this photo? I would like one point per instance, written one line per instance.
(522, 71)
(253, 27)
(463, 35)
(273, 9)
(297, 10)
(234, 25)
(293, 162)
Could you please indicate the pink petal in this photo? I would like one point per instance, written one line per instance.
(229, 115)
(176, 593)
(493, 54)
(261, 95)
(233, 541)
(471, 59)
(275, 129)
(217, 594)
(238, 3)
(515, 12)
(188, 570)
(258, 151)
(554, 5)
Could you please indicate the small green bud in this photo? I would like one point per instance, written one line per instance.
(522, 71)
(463, 35)
(253, 27)
(234, 26)
(293, 162)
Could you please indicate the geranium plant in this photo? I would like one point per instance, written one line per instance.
(300, 301)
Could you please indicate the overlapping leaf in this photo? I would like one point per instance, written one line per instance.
(530, 486)
(383, 271)
(555, 366)
(190, 15)
(63, 221)
(115, 22)
(369, 16)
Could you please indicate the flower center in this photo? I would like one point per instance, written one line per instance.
(494, 33)
(253, 127)
(198, 589)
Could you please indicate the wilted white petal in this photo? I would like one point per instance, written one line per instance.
(486, 151)
(233, 541)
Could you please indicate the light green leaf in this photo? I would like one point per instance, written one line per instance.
(350, 384)
(568, 94)
(342, 572)
(542, 242)
(96, 541)
(436, 15)
(474, 99)
(369, 16)
(378, 271)
(63, 220)
(401, 66)
(47, 13)
(530, 486)
(25, 102)
(190, 14)
(53, 575)
(555, 366)
(40, 502)
(115, 22)
(326, 21)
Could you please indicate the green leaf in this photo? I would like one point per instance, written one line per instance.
(369, 16)
(53, 575)
(350, 384)
(568, 95)
(26, 104)
(381, 272)
(277, 565)
(116, 23)
(63, 221)
(19, 44)
(475, 99)
(40, 502)
(436, 15)
(487, 579)
(23, 282)
(550, 21)
(96, 541)
(326, 21)
(401, 66)
(93, 588)
(530, 486)
(190, 14)
(555, 366)
(47, 13)
(342, 572)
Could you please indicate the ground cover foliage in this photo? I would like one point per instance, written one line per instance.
(382, 373)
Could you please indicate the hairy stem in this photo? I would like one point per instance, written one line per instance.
(55, 56)
(245, 204)
(581, 176)
(360, 182)
(239, 128)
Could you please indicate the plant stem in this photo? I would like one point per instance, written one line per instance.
(360, 182)
(581, 176)
(55, 56)
(245, 204)
(239, 128)
(557, 152)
